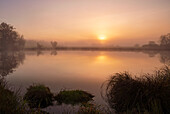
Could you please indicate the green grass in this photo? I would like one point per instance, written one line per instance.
(149, 93)
(73, 97)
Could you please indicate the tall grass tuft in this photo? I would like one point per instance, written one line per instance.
(10, 102)
(149, 93)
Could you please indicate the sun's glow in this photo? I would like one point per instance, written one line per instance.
(101, 59)
(102, 37)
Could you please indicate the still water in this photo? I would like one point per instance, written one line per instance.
(85, 70)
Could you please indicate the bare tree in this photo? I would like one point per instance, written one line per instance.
(54, 44)
(39, 46)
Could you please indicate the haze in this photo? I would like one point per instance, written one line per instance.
(78, 22)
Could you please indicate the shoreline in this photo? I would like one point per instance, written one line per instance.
(102, 49)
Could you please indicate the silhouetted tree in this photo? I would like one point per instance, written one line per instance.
(39, 46)
(9, 38)
(136, 45)
(165, 41)
(54, 44)
(151, 45)
(21, 42)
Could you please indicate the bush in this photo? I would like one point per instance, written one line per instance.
(73, 97)
(149, 93)
(38, 96)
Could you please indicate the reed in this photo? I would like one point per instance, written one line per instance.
(148, 93)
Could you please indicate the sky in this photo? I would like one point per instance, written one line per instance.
(109, 22)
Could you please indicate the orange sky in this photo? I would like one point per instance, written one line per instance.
(120, 21)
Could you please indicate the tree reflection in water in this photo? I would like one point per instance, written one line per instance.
(163, 55)
(54, 52)
(39, 52)
(165, 58)
(9, 61)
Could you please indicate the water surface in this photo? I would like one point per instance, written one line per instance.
(85, 70)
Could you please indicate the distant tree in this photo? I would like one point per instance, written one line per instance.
(54, 44)
(151, 45)
(165, 41)
(137, 45)
(21, 42)
(39, 46)
(9, 38)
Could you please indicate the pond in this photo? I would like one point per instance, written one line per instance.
(83, 70)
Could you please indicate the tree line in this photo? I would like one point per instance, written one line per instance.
(12, 40)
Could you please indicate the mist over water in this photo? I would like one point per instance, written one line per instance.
(85, 70)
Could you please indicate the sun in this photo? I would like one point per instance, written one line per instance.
(102, 37)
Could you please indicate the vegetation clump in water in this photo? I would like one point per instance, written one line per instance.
(38, 96)
(151, 93)
(73, 97)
